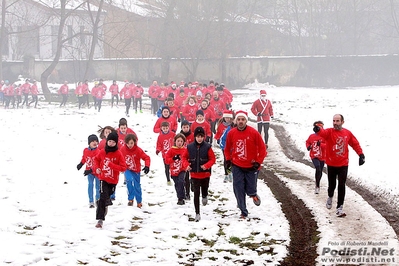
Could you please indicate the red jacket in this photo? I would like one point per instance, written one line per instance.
(94, 91)
(63, 89)
(114, 89)
(161, 94)
(121, 136)
(172, 124)
(316, 151)
(218, 106)
(138, 92)
(176, 166)
(100, 92)
(174, 111)
(189, 137)
(133, 157)
(205, 125)
(85, 88)
(34, 90)
(110, 164)
(220, 129)
(88, 158)
(337, 141)
(189, 112)
(209, 114)
(126, 92)
(152, 91)
(244, 147)
(263, 107)
(165, 142)
(79, 90)
(180, 102)
(25, 88)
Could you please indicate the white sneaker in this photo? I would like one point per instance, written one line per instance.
(317, 190)
(197, 218)
(340, 212)
(329, 203)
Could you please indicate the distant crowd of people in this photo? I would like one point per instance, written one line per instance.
(14, 95)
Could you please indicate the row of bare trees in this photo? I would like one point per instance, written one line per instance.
(208, 29)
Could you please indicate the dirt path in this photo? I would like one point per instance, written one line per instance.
(290, 179)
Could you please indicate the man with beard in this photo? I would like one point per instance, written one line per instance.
(337, 158)
(244, 152)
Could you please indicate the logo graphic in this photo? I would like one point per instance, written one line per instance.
(241, 149)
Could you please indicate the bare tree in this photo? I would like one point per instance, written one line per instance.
(62, 15)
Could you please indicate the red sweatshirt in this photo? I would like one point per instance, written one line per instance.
(133, 157)
(172, 124)
(110, 164)
(337, 141)
(243, 147)
(88, 157)
(176, 166)
(316, 151)
(205, 125)
(220, 129)
(189, 112)
(165, 142)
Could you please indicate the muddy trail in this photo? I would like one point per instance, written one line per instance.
(303, 227)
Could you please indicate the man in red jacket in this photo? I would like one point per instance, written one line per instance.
(337, 158)
(262, 108)
(244, 152)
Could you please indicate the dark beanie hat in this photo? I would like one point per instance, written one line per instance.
(199, 112)
(185, 122)
(165, 107)
(113, 136)
(199, 131)
(92, 138)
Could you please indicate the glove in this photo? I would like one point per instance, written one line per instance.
(318, 143)
(146, 169)
(87, 172)
(178, 120)
(157, 152)
(228, 164)
(176, 157)
(259, 114)
(207, 139)
(218, 141)
(79, 166)
(316, 129)
(362, 159)
(309, 147)
(255, 165)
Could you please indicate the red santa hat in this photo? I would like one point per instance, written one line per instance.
(263, 92)
(242, 114)
(228, 113)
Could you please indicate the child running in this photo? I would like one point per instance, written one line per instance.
(186, 131)
(200, 157)
(108, 164)
(88, 156)
(223, 127)
(174, 157)
(133, 154)
(164, 143)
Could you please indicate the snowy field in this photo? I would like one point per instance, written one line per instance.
(47, 220)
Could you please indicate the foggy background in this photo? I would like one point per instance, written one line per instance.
(189, 32)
